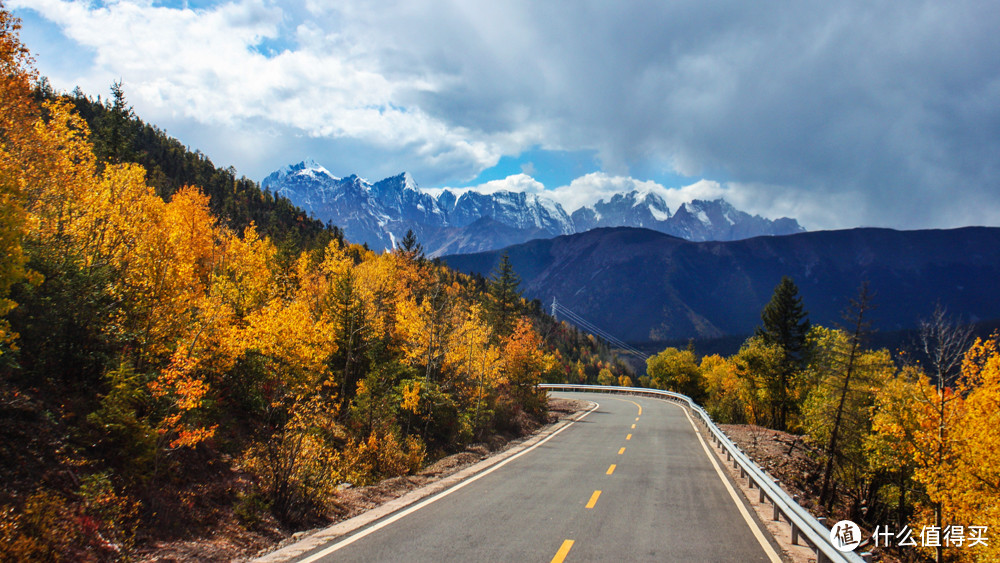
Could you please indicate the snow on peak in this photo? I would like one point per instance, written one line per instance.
(409, 183)
(311, 168)
(657, 213)
(377, 212)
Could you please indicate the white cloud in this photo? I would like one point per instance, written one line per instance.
(589, 189)
(203, 65)
(512, 183)
(847, 112)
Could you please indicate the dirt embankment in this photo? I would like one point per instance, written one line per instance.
(794, 464)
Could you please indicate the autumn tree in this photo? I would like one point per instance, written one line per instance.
(17, 140)
(677, 370)
(522, 364)
(967, 485)
(726, 393)
(842, 386)
(891, 446)
(943, 343)
(759, 365)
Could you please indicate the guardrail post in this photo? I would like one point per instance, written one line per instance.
(795, 534)
(777, 512)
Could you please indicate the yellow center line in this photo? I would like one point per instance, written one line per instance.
(629, 437)
(612, 469)
(593, 499)
(633, 427)
(563, 551)
(637, 405)
(637, 419)
(621, 451)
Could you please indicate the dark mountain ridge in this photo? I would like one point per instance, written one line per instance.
(644, 285)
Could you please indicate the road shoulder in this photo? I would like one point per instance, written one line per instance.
(304, 544)
(779, 531)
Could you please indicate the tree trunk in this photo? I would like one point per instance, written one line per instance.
(860, 307)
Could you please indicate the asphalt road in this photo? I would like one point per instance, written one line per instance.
(629, 482)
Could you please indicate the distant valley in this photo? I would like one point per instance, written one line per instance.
(380, 213)
(642, 285)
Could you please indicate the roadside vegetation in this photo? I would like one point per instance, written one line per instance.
(905, 439)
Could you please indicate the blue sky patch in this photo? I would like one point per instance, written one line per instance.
(551, 168)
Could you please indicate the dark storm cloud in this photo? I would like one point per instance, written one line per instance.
(890, 108)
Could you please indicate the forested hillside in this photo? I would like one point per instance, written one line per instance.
(178, 348)
(119, 136)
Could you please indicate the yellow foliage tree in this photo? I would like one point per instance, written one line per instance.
(299, 467)
(961, 469)
(17, 141)
(727, 393)
(891, 446)
(522, 365)
(758, 364)
(676, 370)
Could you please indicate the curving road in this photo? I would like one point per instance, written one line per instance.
(630, 481)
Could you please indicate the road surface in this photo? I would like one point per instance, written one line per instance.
(630, 481)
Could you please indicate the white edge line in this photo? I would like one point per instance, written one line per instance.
(768, 549)
(374, 528)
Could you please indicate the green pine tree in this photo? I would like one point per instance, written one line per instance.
(117, 128)
(409, 246)
(504, 297)
(785, 324)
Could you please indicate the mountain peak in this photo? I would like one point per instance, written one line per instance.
(403, 180)
(381, 212)
(307, 167)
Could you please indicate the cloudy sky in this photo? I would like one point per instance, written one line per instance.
(841, 114)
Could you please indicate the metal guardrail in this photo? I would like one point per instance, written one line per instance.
(804, 525)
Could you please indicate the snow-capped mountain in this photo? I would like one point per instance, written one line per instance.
(633, 209)
(702, 220)
(380, 213)
(698, 220)
(371, 213)
(514, 209)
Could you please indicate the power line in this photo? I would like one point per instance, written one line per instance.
(594, 329)
(583, 323)
(587, 325)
